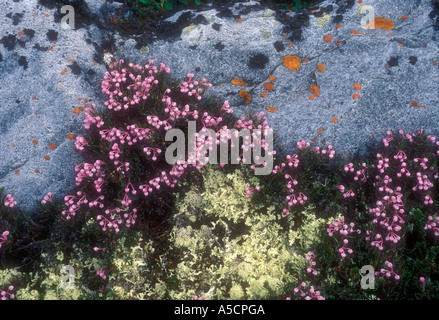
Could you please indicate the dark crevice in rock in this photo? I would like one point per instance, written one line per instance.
(16, 18)
(344, 5)
(193, 47)
(52, 35)
(76, 69)
(40, 48)
(219, 46)
(279, 46)
(393, 62)
(169, 30)
(244, 10)
(434, 14)
(29, 32)
(9, 41)
(23, 62)
(216, 26)
(293, 24)
(337, 19)
(258, 61)
(323, 10)
(413, 60)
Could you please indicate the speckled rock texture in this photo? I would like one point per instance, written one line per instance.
(319, 74)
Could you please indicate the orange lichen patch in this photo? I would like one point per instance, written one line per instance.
(70, 136)
(401, 43)
(292, 62)
(46, 157)
(272, 78)
(389, 35)
(47, 15)
(76, 110)
(82, 108)
(381, 23)
(357, 86)
(321, 67)
(284, 36)
(13, 145)
(268, 86)
(435, 63)
(239, 21)
(20, 33)
(327, 38)
(35, 142)
(271, 109)
(35, 113)
(79, 99)
(34, 98)
(372, 135)
(263, 94)
(320, 130)
(314, 89)
(356, 96)
(291, 44)
(360, 1)
(337, 42)
(314, 139)
(355, 32)
(337, 26)
(404, 17)
(62, 73)
(334, 119)
(95, 63)
(248, 98)
(239, 82)
(17, 171)
(52, 146)
(417, 105)
(71, 61)
(37, 171)
(85, 100)
(242, 93)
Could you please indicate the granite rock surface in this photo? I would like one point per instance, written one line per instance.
(324, 73)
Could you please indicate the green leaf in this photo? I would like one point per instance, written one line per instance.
(167, 6)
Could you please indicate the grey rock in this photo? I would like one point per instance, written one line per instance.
(211, 42)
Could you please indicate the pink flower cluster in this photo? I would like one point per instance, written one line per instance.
(308, 294)
(4, 237)
(342, 229)
(47, 198)
(393, 178)
(249, 191)
(311, 257)
(129, 87)
(433, 224)
(9, 201)
(387, 273)
(100, 272)
(7, 294)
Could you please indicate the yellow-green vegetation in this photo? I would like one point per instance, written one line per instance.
(227, 247)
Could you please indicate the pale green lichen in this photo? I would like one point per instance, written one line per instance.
(266, 34)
